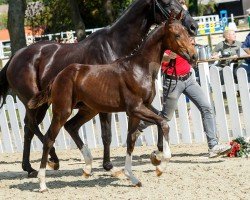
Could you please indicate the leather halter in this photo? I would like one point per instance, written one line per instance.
(166, 13)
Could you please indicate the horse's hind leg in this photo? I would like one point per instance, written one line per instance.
(105, 119)
(73, 126)
(60, 116)
(31, 127)
(53, 161)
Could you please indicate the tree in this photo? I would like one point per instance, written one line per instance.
(77, 20)
(15, 24)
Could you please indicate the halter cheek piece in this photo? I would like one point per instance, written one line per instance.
(165, 13)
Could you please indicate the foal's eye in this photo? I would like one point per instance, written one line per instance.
(177, 36)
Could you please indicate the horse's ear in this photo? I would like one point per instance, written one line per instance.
(180, 16)
(172, 17)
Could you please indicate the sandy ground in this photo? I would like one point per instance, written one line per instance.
(189, 175)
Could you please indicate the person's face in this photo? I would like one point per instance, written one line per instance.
(230, 36)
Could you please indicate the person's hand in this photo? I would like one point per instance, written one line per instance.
(215, 55)
(172, 55)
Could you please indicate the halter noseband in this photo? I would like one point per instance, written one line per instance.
(165, 13)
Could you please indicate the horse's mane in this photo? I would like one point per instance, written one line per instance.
(135, 5)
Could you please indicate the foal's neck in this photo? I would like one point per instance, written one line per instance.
(153, 48)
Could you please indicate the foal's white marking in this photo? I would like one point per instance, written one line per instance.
(88, 159)
(128, 170)
(42, 181)
(165, 157)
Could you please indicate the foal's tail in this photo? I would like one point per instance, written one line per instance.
(40, 98)
(4, 84)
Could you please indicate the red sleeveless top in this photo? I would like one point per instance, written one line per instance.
(182, 66)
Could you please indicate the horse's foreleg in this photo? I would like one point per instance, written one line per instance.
(164, 153)
(73, 126)
(131, 138)
(105, 119)
(162, 156)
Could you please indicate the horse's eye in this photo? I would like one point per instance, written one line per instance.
(177, 36)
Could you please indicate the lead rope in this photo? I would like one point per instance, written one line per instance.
(171, 64)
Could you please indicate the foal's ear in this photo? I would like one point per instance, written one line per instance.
(180, 15)
(172, 17)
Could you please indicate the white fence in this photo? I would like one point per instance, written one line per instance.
(185, 127)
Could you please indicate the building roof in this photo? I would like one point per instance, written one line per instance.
(4, 34)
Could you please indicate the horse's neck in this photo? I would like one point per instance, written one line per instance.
(134, 24)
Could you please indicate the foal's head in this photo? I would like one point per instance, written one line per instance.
(178, 40)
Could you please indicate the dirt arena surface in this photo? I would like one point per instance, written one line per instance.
(189, 175)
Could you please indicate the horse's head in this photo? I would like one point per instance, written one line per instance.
(163, 8)
(178, 40)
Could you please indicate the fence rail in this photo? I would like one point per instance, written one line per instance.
(185, 127)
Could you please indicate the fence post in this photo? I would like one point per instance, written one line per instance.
(1, 51)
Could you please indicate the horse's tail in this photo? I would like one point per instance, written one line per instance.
(40, 98)
(4, 84)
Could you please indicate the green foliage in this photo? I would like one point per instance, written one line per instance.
(94, 14)
(3, 2)
(206, 9)
(244, 147)
(3, 21)
(56, 16)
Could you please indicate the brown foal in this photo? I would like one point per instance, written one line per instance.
(128, 84)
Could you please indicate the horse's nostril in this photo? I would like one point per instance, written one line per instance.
(194, 57)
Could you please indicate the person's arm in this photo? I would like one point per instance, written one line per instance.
(246, 44)
(167, 57)
(216, 50)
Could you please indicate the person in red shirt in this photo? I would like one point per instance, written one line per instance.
(178, 79)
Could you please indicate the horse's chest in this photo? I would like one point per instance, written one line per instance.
(148, 90)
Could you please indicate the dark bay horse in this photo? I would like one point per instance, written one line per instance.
(32, 68)
(128, 84)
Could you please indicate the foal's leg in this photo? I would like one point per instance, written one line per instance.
(145, 114)
(131, 138)
(53, 161)
(105, 119)
(156, 156)
(73, 126)
(57, 122)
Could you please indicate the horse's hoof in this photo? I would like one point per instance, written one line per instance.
(158, 172)
(33, 174)
(118, 173)
(107, 166)
(43, 190)
(154, 160)
(86, 175)
(53, 165)
(138, 184)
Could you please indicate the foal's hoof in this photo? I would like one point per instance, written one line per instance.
(117, 173)
(43, 190)
(32, 174)
(86, 175)
(53, 165)
(158, 172)
(138, 184)
(107, 166)
(154, 160)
